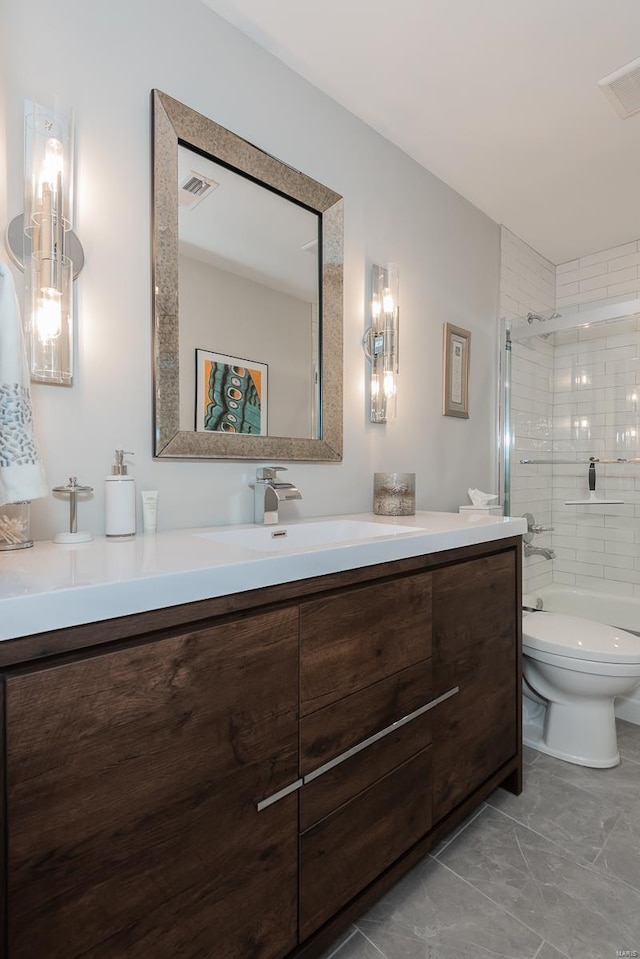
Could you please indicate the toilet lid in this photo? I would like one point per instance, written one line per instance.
(579, 638)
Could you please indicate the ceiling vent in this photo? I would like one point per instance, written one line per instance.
(622, 88)
(194, 189)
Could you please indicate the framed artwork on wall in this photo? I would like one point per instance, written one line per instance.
(231, 394)
(455, 374)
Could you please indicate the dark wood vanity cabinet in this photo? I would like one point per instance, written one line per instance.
(133, 779)
(138, 756)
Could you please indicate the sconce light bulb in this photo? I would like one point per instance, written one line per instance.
(375, 306)
(48, 318)
(52, 164)
(375, 387)
(387, 300)
(389, 384)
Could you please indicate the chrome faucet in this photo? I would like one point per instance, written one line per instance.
(539, 551)
(268, 492)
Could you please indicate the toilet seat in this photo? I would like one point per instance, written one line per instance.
(583, 643)
(576, 665)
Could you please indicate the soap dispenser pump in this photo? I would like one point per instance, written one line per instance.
(119, 499)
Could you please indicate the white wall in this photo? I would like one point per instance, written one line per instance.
(103, 59)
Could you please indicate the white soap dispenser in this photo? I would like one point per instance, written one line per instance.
(119, 499)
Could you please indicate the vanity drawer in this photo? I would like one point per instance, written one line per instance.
(322, 796)
(353, 639)
(331, 731)
(346, 851)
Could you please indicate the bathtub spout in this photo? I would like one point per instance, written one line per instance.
(538, 551)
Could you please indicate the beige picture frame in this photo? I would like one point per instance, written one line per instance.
(455, 372)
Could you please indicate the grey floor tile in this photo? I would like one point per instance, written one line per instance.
(548, 952)
(628, 740)
(560, 810)
(579, 911)
(618, 787)
(621, 854)
(433, 914)
(354, 946)
(529, 755)
(455, 832)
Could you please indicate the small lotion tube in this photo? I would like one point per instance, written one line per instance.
(149, 509)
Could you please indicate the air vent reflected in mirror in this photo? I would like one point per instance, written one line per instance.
(194, 189)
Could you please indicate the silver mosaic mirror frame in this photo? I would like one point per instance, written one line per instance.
(175, 123)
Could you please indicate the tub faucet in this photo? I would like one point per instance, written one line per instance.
(268, 492)
(539, 551)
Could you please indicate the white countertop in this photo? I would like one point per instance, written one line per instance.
(50, 587)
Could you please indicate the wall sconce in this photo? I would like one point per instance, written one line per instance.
(380, 341)
(43, 245)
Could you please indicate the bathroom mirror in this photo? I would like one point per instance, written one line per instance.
(247, 263)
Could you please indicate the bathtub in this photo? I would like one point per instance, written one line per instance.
(621, 611)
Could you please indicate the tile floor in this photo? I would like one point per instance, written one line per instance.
(552, 873)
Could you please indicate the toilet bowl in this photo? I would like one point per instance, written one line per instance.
(573, 670)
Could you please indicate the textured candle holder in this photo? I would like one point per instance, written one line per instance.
(394, 494)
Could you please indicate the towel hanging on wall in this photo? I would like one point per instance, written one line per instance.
(22, 474)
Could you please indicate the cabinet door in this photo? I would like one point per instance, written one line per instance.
(475, 647)
(132, 783)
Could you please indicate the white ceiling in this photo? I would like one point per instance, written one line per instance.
(498, 98)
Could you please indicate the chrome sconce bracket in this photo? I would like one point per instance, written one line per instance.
(18, 245)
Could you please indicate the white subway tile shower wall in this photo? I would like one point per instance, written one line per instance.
(596, 385)
(527, 279)
(576, 394)
(527, 284)
(607, 276)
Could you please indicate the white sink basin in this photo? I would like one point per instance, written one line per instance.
(284, 539)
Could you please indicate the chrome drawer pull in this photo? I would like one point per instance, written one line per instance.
(377, 736)
(291, 788)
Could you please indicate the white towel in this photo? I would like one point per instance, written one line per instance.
(21, 471)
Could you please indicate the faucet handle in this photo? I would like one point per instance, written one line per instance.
(533, 528)
(268, 472)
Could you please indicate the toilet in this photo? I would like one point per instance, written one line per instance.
(573, 670)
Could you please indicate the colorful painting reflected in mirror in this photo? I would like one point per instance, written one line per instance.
(231, 394)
